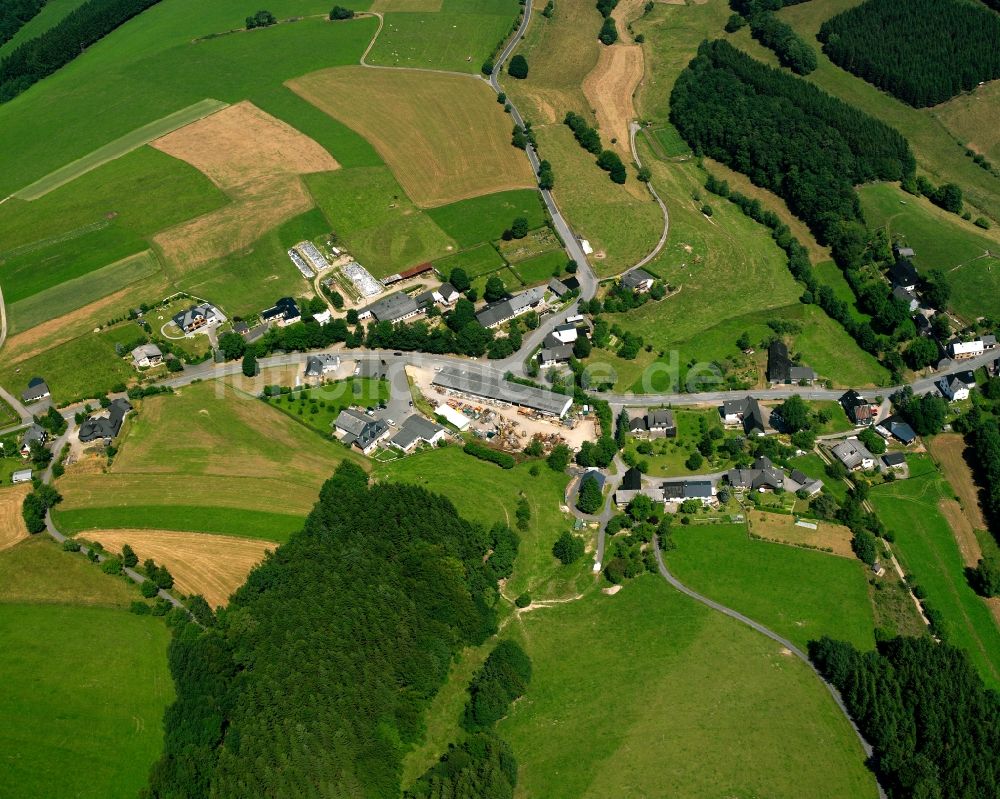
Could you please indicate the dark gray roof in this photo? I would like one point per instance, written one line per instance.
(415, 428)
(560, 352)
(315, 364)
(37, 389)
(358, 428)
(749, 409)
(593, 474)
(635, 277)
(392, 307)
(501, 311)
(903, 273)
(781, 369)
(763, 474)
(903, 294)
(480, 384)
(33, 433)
(106, 426)
(687, 489)
(557, 287)
(894, 459)
(632, 480)
(285, 308)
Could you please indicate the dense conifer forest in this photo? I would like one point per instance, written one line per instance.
(922, 51)
(40, 57)
(933, 724)
(314, 681)
(786, 135)
(14, 14)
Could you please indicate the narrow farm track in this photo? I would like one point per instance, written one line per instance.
(633, 130)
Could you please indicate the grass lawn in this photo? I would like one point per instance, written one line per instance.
(480, 260)
(702, 706)
(537, 570)
(926, 548)
(971, 118)
(669, 454)
(38, 571)
(82, 685)
(372, 215)
(540, 268)
(941, 241)
(813, 465)
(317, 408)
(457, 38)
(484, 219)
(828, 273)
(670, 142)
(217, 463)
(839, 423)
(799, 593)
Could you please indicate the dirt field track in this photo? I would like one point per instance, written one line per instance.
(12, 527)
(211, 565)
(609, 88)
(256, 159)
(948, 449)
(444, 137)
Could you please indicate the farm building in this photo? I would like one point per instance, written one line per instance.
(894, 427)
(416, 429)
(393, 308)
(781, 369)
(631, 487)
(37, 389)
(356, 429)
(450, 415)
(105, 424)
(505, 310)
(21, 476)
(146, 355)
(477, 384)
(679, 490)
(558, 288)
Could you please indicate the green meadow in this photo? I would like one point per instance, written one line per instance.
(457, 38)
(540, 268)
(669, 454)
(479, 260)
(369, 211)
(927, 550)
(647, 693)
(82, 685)
(941, 241)
(155, 65)
(799, 593)
(482, 219)
(317, 408)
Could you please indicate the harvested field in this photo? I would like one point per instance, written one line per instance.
(12, 527)
(609, 88)
(783, 530)
(211, 565)
(256, 159)
(444, 137)
(965, 536)
(949, 451)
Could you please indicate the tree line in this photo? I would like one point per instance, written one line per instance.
(590, 140)
(790, 48)
(15, 14)
(787, 136)
(82, 27)
(933, 724)
(921, 51)
(314, 680)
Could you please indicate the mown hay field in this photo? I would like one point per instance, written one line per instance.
(444, 137)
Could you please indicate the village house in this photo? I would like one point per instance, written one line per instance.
(416, 429)
(321, 363)
(283, 313)
(37, 389)
(678, 491)
(355, 429)
(198, 316)
(904, 273)
(146, 355)
(393, 307)
(631, 487)
(35, 432)
(565, 333)
(658, 423)
(638, 280)
(956, 387)
(853, 454)
(906, 296)
(746, 412)
(894, 427)
(894, 460)
(553, 356)
(961, 350)
(781, 369)
(858, 409)
(446, 294)
(762, 476)
(106, 424)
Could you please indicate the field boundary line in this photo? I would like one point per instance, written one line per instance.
(371, 45)
(123, 145)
